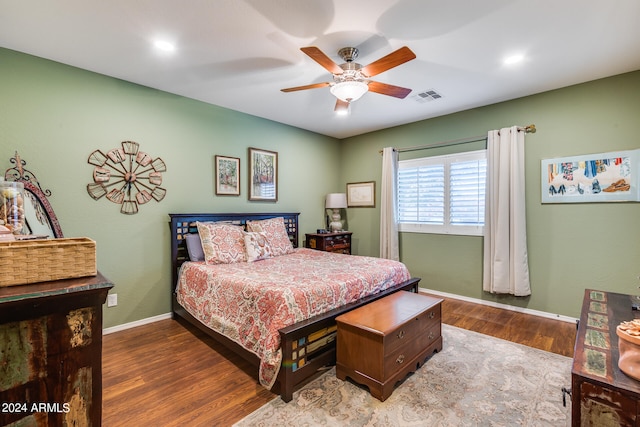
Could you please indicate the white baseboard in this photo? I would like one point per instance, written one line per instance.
(503, 306)
(140, 322)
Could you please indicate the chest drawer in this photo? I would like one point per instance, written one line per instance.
(412, 329)
(396, 359)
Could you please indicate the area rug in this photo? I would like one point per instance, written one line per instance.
(476, 380)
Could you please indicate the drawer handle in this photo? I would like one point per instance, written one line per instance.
(432, 314)
(400, 334)
(400, 359)
(431, 335)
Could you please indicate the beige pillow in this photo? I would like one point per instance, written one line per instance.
(222, 243)
(275, 232)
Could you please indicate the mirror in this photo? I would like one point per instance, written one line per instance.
(40, 219)
(39, 216)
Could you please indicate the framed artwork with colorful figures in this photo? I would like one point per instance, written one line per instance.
(602, 177)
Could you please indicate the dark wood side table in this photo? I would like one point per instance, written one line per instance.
(339, 242)
(379, 343)
(601, 394)
(51, 352)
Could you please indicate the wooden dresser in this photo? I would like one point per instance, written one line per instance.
(339, 242)
(51, 352)
(380, 343)
(601, 394)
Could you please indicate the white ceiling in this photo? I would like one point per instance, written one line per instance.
(238, 54)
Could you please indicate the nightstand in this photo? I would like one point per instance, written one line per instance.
(339, 242)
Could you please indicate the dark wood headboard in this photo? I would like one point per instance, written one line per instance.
(183, 224)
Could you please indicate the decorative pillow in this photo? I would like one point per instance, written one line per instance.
(194, 247)
(276, 234)
(222, 243)
(257, 246)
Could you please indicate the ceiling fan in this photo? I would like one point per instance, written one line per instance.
(351, 80)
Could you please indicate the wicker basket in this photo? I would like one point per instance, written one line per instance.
(31, 261)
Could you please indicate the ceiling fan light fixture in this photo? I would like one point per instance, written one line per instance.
(349, 91)
(343, 109)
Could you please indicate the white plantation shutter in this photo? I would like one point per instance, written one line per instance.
(466, 192)
(442, 194)
(421, 194)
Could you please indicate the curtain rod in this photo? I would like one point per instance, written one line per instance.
(526, 129)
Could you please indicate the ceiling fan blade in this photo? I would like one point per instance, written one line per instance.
(390, 90)
(400, 56)
(341, 106)
(311, 86)
(322, 59)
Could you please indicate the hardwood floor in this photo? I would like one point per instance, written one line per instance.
(170, 374)
(534, 331)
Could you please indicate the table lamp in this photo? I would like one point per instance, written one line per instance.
(336, 201)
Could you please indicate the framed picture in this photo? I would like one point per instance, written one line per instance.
(602, 177)
(263, 175)
(227, 176)
(361, 194)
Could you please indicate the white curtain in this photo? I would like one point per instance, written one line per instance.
(389, 247)
(506, 266)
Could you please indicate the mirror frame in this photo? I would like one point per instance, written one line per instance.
(46, 207)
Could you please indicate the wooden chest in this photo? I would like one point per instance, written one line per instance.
(380, 343)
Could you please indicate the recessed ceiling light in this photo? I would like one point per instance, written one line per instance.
(513, 59)
(164, 46)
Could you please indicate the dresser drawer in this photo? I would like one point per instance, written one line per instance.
(410, 330)
(339, 242)
(398, 358)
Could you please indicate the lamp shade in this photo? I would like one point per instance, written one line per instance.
(349, 91)
(336, 201)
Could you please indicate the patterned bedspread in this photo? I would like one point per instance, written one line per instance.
(250, 302)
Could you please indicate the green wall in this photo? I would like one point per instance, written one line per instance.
(571, 246)
(55, 116)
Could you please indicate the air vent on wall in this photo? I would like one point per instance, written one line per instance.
(427, 96)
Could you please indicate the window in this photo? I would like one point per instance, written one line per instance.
(442, 194)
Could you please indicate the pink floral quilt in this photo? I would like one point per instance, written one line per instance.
(250, 302)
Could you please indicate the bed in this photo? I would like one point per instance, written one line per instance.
(290, 343)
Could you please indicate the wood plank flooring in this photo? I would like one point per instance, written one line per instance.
(551, 335)
(170, 374)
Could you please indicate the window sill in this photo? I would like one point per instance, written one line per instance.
(457, 230)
